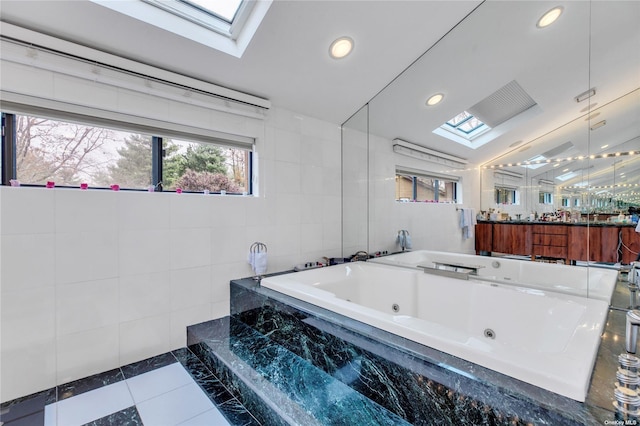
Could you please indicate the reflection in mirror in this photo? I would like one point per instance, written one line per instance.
(520, 127)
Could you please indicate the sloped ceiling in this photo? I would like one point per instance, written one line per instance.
(286, 62)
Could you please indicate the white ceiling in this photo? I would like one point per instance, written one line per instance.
(472, 49)
(287, 61)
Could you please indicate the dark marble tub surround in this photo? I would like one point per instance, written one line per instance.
(411, 380)
(281, 386)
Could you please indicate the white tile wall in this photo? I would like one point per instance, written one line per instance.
(96, 349)
(86, 305)
(15, 248)
(91, 280)
(144, 338)
(144, 295)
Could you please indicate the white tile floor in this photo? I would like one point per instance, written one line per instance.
(167, 396)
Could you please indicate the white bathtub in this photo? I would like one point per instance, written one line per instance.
(597, 283)
(544, 338)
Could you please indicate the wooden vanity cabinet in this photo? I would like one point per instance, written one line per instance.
(484, 237)
(549, 241)
(602, 247)
(512, 238)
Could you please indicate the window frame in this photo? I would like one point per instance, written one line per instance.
(9, 139)
(506, 188)
(207, 18)
(437, 178)
(455, 127)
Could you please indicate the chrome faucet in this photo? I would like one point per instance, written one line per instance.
(631, 332)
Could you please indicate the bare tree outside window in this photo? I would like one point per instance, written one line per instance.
(70, 154)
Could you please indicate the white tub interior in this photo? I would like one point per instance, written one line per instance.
(597, 283)
(547, 338)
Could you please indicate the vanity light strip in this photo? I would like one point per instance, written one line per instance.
(561, 160)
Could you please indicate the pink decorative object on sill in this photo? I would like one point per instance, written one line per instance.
(14, 182)
(151, 188)
(84, 186)
(115, 187)
(178, 190)
(50, 184)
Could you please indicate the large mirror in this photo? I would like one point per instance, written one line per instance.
(559, 111)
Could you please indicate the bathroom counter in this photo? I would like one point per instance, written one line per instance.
(560, 240)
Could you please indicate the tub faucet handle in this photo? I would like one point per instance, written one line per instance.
(631, 331)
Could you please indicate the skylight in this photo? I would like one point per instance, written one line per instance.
(465, 125)
(224, 9)
(225, 25)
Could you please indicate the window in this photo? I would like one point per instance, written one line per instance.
(193, 166)
(223, 9)
(225, 25)
(37, 150)
(545, 197)
(465, 125)
(418, 187)
(506, 195)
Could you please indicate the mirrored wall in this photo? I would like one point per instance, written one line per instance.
(574, 148)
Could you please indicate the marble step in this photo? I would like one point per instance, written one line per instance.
(277, 386)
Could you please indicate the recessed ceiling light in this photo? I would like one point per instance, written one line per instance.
(549, 17)
(592, 116)
(341, 47)
(598, 124)
(604, 146)
(516, 143)
(524, 148)
(435, 99)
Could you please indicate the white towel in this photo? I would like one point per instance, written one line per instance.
(258, 262)
(467, 223)
(407, 241)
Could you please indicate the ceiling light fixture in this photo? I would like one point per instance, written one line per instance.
(549, 17)
(604, 146)
(435, 99)
(341, 47)
(598, 124)
(515, 144)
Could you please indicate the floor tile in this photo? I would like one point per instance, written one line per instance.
(91, 405)
(26, 407)
(212, 417)
(174, 407)
(128, 416)
(90, 383)
(149, 364)
(156, 382)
